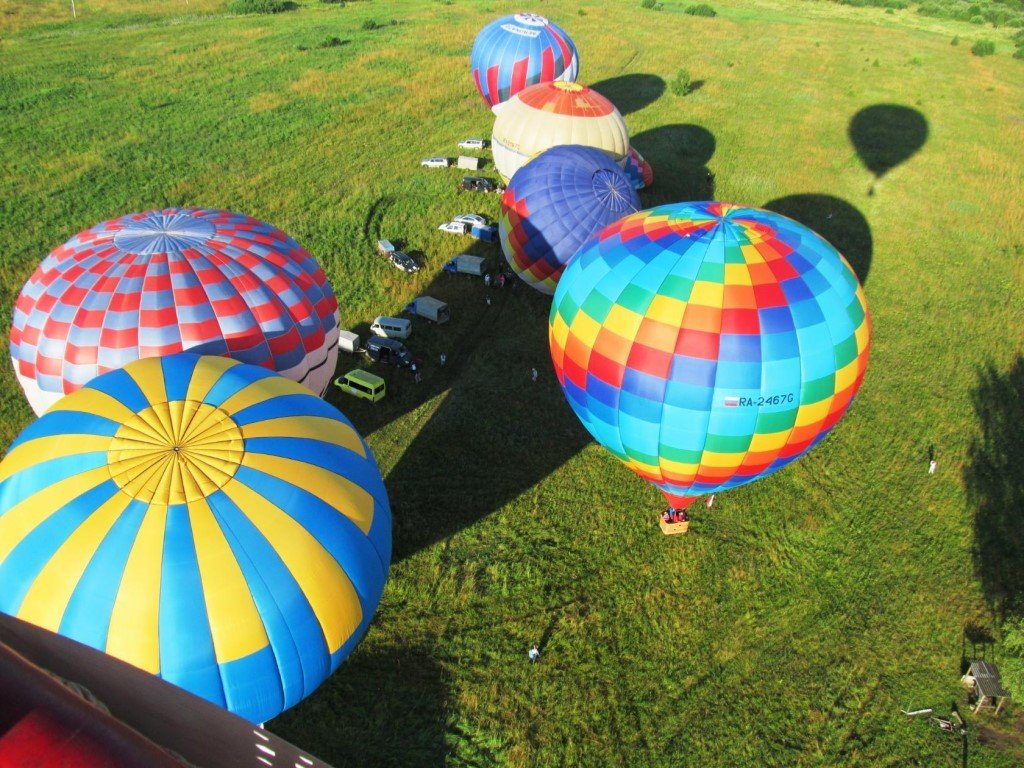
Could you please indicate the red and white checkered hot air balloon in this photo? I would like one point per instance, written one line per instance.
(159, 282)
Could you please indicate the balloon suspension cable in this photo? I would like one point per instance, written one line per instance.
(619, 197)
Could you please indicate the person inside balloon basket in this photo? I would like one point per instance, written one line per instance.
(675, 516)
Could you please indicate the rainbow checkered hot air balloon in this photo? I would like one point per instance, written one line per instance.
(554, 204)
(549, 114)
(207, 521)
(159, 282)
(517, 51)
(707, 345)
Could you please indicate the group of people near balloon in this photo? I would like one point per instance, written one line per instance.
(704, 344)
(188, 503)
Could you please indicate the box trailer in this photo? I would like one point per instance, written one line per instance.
(348, 342)
(488, 233)
(430, 308)
(469, 163)
(467, 265)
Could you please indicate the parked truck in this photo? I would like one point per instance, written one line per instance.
(429, 308)
(467, 265)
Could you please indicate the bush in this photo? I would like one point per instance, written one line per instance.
(330, 42)
(983, 48)
(369, 25)
(682, 83)
(701, 9)
(977, 20)
(647, 3)
(955, 40)
(258, 6)
(1019, 53)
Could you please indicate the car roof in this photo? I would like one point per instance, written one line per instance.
(364, 377)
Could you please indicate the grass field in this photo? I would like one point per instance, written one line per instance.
(803, 611)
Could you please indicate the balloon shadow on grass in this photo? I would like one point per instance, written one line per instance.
(886, 135)
(380, 708)
(631, 93)
(678, 155)
(835, 220)
(995, 485)
(494, 434)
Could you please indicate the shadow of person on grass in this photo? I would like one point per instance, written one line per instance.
(835, 220)
(994, 479)
(380, 708)
(678, 155)
(886, 135)
(631, 93)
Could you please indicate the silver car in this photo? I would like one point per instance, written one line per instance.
(473, 219)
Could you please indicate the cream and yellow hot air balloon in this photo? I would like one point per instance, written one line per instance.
(549, 114)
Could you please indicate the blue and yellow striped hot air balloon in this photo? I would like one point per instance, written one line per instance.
(208, 521)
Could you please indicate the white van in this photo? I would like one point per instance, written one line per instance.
(391, 327)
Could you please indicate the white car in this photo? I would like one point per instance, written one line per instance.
(473, 143)
(435, 162)
(473, 219)
(455, 227)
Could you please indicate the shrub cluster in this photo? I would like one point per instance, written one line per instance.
(701, 9)
(681, 83)
(887, 4)
(998, 13)
(258, 6)
(983, 48)
(371, 24)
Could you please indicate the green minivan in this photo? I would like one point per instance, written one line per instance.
(362, 384)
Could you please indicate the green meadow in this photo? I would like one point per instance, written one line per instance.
(802, 612)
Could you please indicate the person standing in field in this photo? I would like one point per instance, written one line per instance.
(710, 501)
(534, 654)
(931, 466)
(533, 373)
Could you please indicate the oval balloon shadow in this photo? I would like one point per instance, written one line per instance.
(886, 135)
(678, 155)
(835, 220)
(631, 93)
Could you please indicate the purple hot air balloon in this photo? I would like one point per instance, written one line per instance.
(554, 204)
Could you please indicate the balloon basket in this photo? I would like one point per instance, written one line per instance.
(672, 529)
